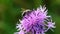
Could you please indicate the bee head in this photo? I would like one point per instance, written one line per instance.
(26, 12)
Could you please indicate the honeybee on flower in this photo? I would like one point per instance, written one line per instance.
(34, 21)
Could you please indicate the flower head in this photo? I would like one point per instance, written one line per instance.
(34, 22)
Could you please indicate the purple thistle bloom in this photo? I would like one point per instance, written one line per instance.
(36, 22)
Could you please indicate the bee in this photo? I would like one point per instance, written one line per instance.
(26, 12)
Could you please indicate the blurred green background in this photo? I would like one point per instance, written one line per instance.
(11, 12)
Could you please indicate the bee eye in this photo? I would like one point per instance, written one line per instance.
(24, 14)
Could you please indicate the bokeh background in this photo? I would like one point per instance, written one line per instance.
(11, 12)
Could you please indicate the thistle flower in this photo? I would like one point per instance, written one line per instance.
(36, 22)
